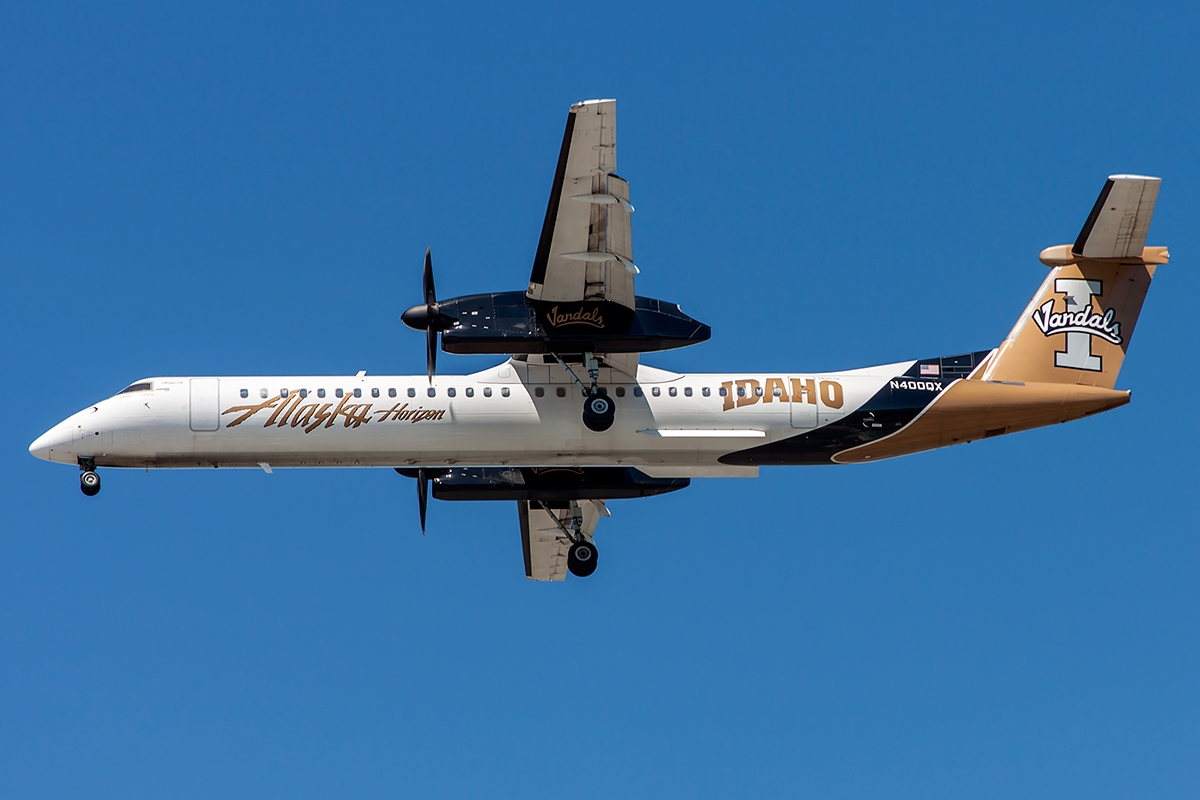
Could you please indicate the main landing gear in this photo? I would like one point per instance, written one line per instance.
(582, 555)
(599, 410)
(89, 481)
(581, 559)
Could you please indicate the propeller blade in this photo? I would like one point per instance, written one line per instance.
(427, 280)
(431, 348)
(422, 495)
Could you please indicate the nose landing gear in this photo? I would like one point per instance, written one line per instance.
(89, 481)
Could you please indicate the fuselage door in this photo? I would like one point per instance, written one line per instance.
(804, 402)
(205, 405)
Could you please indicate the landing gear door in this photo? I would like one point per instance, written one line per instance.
(804, 402)
(205, 404)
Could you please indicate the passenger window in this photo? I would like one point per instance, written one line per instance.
(504, 392)
(620, 391)
(687, 391)
(673, 392)
(637, 391)
(391, 392)
(777, 392)
(758, 391)
(724, 392)
(303, 394)
(244, 392)
(451, 392)
(321, 393)
(432, 392)
(656, 391)
(412, 392)
(706, 391)
(358, 392)
(374, 393)
(540, 392)
(487, 391)
(561, 392)
(338, 393)
(283, 392)
(262, 393)
(470, 392)
(741, 391)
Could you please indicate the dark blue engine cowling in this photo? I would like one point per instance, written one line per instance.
(549, 484)
(509, 322)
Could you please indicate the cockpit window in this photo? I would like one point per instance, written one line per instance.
(144, 386)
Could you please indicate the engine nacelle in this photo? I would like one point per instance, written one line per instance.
(509, 322)
(549, 484)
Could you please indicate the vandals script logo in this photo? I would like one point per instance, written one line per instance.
(592, 319)
(1079, 321)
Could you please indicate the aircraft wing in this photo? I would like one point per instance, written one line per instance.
(586, 252)
(544, 542)
(586, 249)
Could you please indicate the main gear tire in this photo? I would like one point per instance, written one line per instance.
(89, 483)
(599, 411)
(581, 559)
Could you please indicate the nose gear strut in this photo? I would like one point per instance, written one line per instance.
(89, 481)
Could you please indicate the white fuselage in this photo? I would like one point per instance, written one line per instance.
(517, 413)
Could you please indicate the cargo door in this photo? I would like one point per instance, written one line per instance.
(804, 402)
(205, 404)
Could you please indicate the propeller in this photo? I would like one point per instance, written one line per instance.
(428, 316)
(422, 495)
(422, 476)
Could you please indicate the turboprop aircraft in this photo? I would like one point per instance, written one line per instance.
(514, 432)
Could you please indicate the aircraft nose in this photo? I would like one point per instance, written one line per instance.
(54, 439)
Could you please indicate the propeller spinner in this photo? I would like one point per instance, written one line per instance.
(428, 317)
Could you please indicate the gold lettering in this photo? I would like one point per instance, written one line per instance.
(728, 387)
(772, 385)
(250, 410)
(750, 387)
(578, 317)
(355, 414)
(804, 391)
(831, 393)
(322, 415)
(292, 401)
(304, 415)
(385, 413)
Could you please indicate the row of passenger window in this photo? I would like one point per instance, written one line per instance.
(431, 392)
(539, 391)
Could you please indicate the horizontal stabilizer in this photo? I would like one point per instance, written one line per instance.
(1120, 220)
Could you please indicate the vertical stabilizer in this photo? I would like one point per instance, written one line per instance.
(1078, 326)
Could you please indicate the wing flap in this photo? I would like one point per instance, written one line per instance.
(586, 249)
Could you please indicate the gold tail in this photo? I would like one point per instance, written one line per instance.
(1078, 326)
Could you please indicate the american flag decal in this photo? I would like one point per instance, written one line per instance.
(930, 370)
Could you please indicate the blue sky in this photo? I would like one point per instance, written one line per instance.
(245, 189)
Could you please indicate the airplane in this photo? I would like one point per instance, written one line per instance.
(515, 432)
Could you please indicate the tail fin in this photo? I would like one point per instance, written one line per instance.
(1078, 326)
